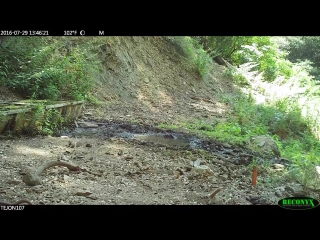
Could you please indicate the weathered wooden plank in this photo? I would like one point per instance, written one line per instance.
(62, 105)
(4, 121)
(21, 110)
(4, 102)
(24, 116)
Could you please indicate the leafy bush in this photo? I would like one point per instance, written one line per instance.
(194, 53)
(287, 119)
(285, 67)
(264, 51)
(47, 67)
(237, 77)
(303, 48)
(224, 46)
(53, 121)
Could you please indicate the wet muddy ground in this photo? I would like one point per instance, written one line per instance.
(143, 134)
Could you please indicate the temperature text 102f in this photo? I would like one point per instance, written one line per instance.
(70, 33)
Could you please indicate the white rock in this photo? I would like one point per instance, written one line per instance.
(66, 178)
(89, 125)
(278, 166)
(202, 169)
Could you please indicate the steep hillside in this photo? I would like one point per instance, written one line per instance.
(148, 78)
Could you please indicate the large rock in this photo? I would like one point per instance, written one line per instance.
(202, 170)
(264, 144)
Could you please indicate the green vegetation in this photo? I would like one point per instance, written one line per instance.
(303, 49)
(293, 123)
(49, 67)
(42, 121)
(237, 76)
(269, 58)
(53, 121)
(224, 46)
(194, 54)
(282, 120)
(263, 52)
(171, 126)
(253, 163)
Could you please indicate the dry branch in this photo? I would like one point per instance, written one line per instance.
(33, 179)
(16, 203)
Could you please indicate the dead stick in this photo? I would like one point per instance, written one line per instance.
(33, 179)
(46, 165)
(215, 193)
(16, 203)
(246, 155)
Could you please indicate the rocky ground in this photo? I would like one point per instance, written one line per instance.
(124, 158)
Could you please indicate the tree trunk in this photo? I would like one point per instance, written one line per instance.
(220, 61)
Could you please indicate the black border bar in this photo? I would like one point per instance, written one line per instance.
(142, 30)
(46, 32)
(197, 208)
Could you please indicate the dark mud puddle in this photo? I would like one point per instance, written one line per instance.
(141, 133)
(145, 134)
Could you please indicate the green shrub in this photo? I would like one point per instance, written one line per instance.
(284, 68)
(53, 121)
(268, 65)
(237, 77)
(194, 53)
(264, 51)
(47, 67)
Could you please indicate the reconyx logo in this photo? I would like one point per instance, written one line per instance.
(298, 203)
